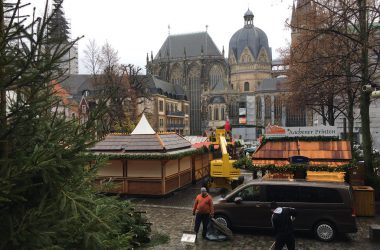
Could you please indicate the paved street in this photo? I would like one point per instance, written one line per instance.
(172, 215)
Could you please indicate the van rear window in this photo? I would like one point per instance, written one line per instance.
(282, 193)
(302, 194)
(319, 195)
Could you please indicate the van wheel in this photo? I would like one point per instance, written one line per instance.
(324, 231)
(223, 220)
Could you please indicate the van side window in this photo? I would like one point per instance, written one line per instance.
(251, 193)
(320, 195)
(280, 193)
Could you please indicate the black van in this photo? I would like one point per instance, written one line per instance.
(323, 208)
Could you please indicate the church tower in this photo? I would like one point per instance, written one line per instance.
(303, 16)
(250, 56)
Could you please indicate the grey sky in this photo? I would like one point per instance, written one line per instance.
(135, 27)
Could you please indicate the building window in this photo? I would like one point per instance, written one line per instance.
(222, 114)
(216, 78)
(84, 109)
(161, 123)
(210, 112)
(258, 108)
(295, 116)
(171, 107)
(268, 107)
(277, 110)
(216, 113)
(161, 105)
(246, 86)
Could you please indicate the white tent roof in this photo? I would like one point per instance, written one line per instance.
(143, 127)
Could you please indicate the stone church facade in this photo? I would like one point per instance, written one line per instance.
(194, 62)
(243, 85)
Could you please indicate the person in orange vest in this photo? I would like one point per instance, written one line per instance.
(203, 210)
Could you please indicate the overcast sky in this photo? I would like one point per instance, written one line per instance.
(135, 27)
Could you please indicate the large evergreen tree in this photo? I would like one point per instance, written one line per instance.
(58, 28)
(46, 195)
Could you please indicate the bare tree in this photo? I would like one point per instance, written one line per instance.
(125, 86)
(92, 60)
(351, 27)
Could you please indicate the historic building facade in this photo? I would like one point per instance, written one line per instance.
(168, 107)
(194, 62)
(246, 88)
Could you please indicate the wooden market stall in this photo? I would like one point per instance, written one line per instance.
(148, 163)
(332, 153)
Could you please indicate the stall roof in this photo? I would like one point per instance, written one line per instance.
(319, 152)
(141, 140)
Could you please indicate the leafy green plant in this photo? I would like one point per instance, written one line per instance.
(157, 238)
(246, 163)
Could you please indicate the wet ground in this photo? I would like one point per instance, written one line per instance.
(172, 215)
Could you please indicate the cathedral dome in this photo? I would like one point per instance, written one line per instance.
(249, 36)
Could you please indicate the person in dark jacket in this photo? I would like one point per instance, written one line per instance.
(282, 222)
(203, 210)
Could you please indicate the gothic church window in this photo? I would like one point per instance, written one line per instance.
(176, 75)
(216, 78)
(163, 73)
(268, 109)
(194, 92)
(258, 108)
(277, 110)
(295, 116)
(216, 113)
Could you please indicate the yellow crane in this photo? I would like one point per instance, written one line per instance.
(222, 172)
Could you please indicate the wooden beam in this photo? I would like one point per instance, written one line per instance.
(125, 175)
(179, 170)
(163, 176)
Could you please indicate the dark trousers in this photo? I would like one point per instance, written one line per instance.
(204, 218)
(284, 239)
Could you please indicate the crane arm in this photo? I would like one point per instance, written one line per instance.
(223, 147)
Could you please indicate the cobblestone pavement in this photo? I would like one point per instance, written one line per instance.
(172, 215)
